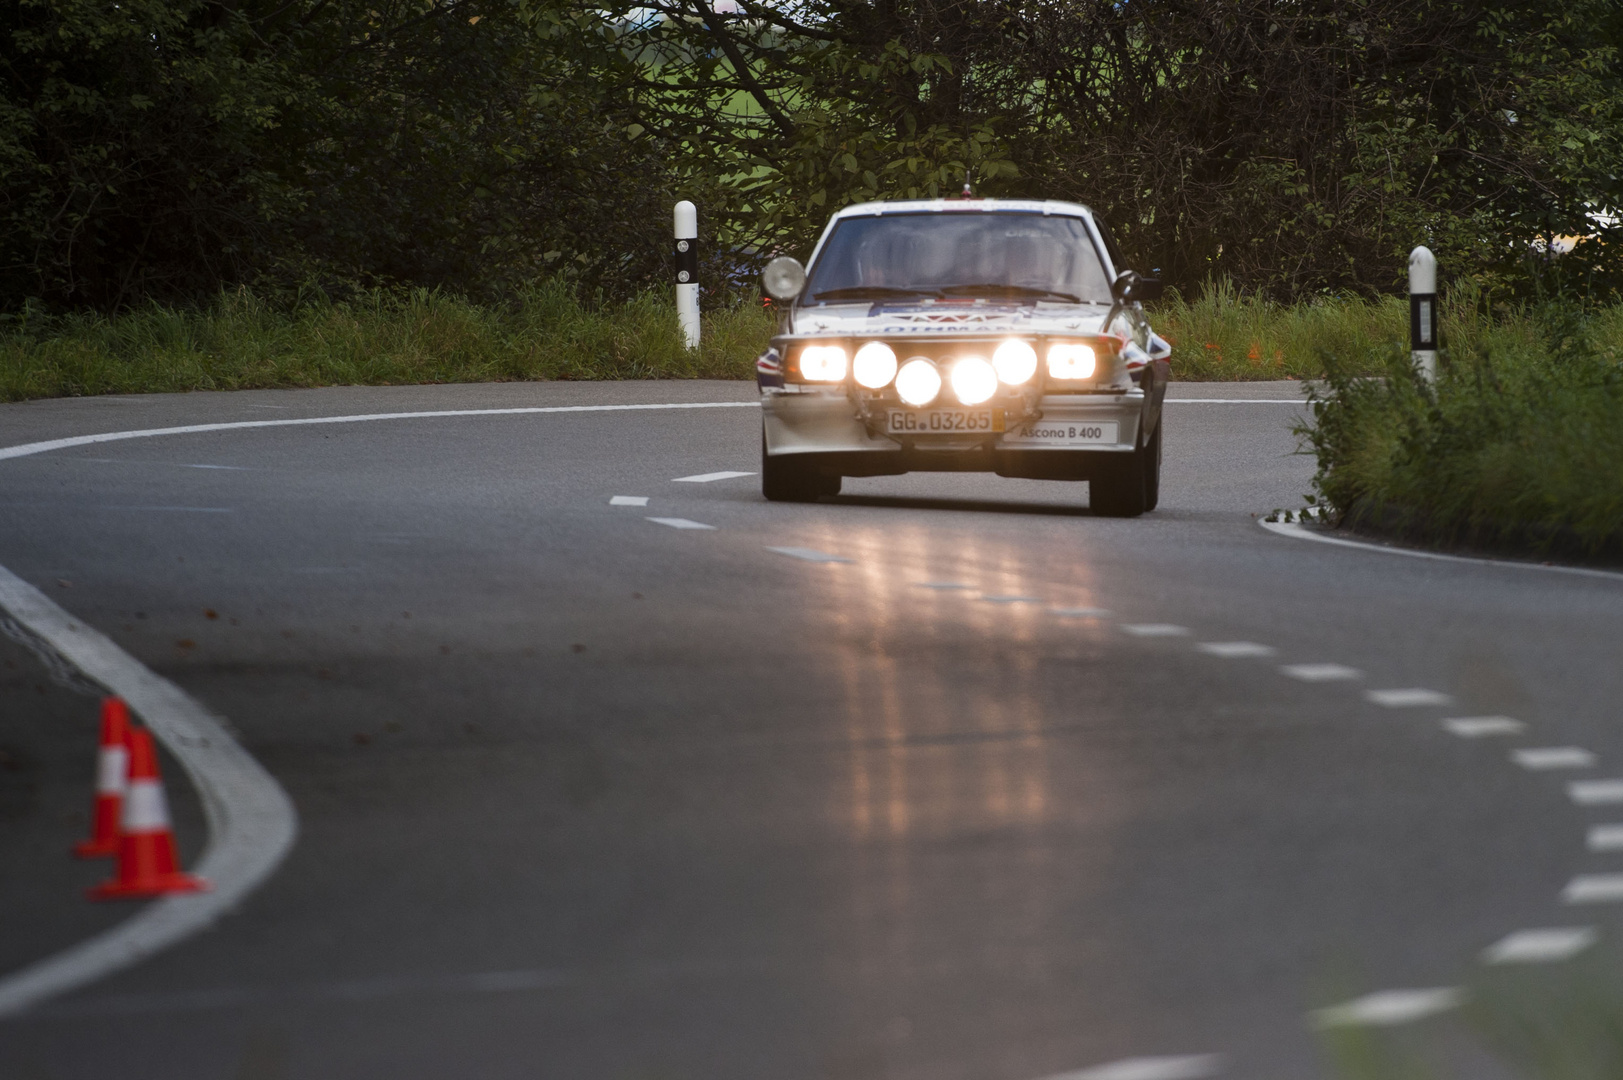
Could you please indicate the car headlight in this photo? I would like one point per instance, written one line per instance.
(822, 363)
(874, 365)
(918, 382)
(1016, 361)
(1068, 360)
(973, 380)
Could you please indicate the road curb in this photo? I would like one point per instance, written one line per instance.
(251, 821)
(1298, 532)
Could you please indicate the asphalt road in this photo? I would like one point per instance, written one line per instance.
(584, 795)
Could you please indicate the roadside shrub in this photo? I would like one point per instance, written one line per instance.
(1519, 445)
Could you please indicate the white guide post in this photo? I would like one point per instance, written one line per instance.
(1423, 312)
(687, 271)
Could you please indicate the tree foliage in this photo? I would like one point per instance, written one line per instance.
(164, 148)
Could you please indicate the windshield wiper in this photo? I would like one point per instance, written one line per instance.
(872, 292)
(1016, 290)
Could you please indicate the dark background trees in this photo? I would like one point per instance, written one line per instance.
(164, 148)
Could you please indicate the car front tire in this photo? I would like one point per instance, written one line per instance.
(795, 478)
(1128, 484)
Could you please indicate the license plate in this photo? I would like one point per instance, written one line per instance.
(944, 421)
(1063, 433)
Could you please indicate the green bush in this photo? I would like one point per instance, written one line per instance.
(1518, 446)
(242, 342)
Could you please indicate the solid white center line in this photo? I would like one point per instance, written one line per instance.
(1079, 612)
(1409, 698)
(1235, 650)
(1011, 599)
(1179, 1067)
(1155, 629)
(628, 500)
(1595, 792)
(1553, 757)
(1544, 946)
(1593, 889)
(680, 523)
(809, 554)
(1605, 837)
(1385, 1008)
(1320, 672)
(709, 477)
(1477, 727)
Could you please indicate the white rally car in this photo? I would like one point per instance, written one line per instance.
(964, 335)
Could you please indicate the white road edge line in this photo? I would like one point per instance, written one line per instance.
(251, 821)
(1179, 1067)
(29, 449)
(1295, 531)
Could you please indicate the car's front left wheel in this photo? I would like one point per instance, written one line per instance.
(795, 478)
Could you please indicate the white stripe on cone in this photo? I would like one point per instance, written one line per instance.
(144, 808)
(112, 770)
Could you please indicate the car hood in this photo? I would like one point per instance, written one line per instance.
(942, 320)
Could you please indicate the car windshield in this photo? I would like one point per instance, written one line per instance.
(996, 255)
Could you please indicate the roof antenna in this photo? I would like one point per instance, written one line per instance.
(967, 193)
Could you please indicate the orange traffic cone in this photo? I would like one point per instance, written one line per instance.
(112, 764)
(146, 845)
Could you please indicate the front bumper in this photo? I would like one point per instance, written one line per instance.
(824, 421)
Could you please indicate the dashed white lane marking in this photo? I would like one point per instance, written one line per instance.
(1079, 612)
(1593, 889)
(628, 500)
(1546, 946)
(1010, 599)
(1553, 757)
(944, 585)
(1321, 672)
(680, 523)
(1480, 727)
(1155, 629)
(29, 449)
(1179, 1067)
(1235, 650)
(1297, 532)
(1386, 1008)
(251, 821)
(1605, 838)
(172, 464)
(1596, 792)
(809, 554)
(709, 477)
(1409, 698)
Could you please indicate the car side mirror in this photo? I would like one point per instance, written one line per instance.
(783, 278)
(1130, 287)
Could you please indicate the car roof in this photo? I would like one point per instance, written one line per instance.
(959, 206)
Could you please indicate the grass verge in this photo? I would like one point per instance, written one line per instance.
(241, 342)
(1518, 447)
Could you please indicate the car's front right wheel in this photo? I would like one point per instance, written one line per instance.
(794, 478)
(1128, 484)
